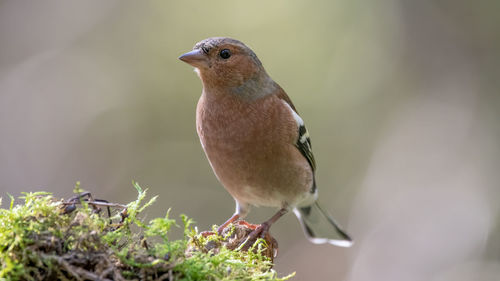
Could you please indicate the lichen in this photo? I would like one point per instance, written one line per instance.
(53, 239)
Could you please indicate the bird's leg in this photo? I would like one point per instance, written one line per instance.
(221, 228)
(263, 228)
(230, 220)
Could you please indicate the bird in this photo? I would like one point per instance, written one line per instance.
(255, 140)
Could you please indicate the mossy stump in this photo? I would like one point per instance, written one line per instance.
(85, 239)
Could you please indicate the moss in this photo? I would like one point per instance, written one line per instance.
(88, 239)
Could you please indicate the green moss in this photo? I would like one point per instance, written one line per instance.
(49, 239)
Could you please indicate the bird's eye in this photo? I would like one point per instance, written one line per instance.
(225, 54)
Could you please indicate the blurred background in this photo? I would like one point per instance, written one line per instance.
(401, 99)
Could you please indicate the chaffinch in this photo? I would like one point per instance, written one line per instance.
(255, 140)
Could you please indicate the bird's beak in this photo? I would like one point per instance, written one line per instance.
(195, 58)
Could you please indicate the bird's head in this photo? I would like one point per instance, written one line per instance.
(228, 64)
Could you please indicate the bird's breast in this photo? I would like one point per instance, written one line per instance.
(250, 146)
(242, 129)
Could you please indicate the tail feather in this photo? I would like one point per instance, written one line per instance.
(320, 228)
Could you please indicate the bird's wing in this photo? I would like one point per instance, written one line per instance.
(303, 142)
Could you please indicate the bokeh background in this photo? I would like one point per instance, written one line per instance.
(401, 99)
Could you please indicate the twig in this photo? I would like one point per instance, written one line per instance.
(77, 272)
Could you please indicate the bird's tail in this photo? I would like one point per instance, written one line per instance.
(320, 228)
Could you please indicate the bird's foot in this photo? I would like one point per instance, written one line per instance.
(259, 231)
(243, 236)
(221, 228)
(207, 233)
(247, 224)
